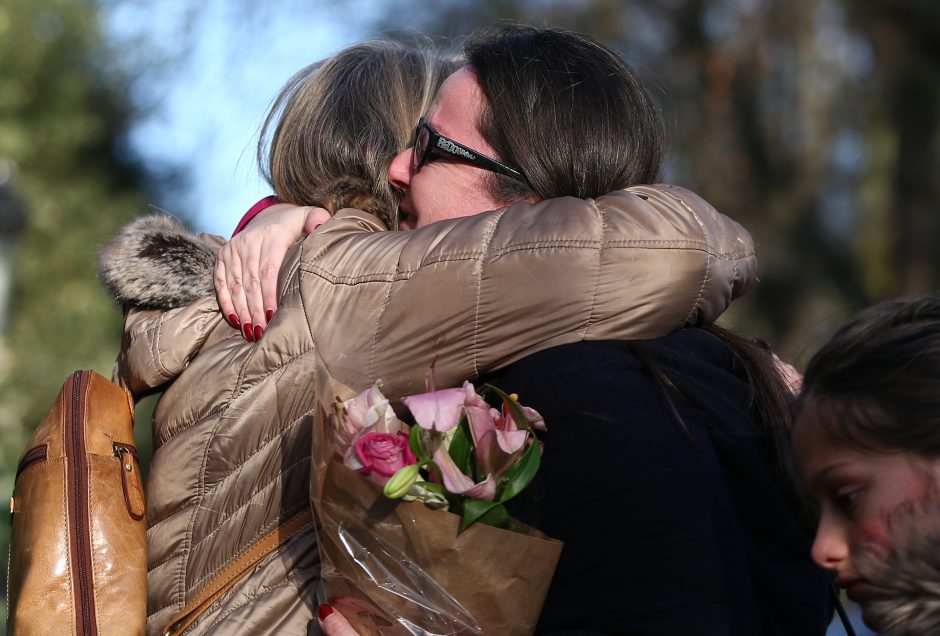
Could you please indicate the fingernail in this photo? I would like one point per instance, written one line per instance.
(268, 314)
(324, 611)
(246, 330)
(232, 318)
(259, 331)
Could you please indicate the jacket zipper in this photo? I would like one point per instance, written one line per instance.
(78, 507)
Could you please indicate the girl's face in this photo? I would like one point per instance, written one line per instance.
(857, 492)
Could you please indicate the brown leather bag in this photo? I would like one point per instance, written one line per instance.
(78, 553)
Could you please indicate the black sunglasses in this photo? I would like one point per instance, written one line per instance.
(429, 142)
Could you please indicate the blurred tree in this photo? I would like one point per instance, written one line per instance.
(905, 37)
(64, 112)
(813, 122)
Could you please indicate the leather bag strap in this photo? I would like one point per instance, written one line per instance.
(236, 570)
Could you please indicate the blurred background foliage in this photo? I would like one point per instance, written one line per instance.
(69, 182)
(813, 122)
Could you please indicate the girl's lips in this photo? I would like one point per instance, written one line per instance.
(858, 590)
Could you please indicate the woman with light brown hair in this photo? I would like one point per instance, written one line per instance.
(326, 143)
(232, 449)
(333, 123)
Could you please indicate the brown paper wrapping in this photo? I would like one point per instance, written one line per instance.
(394, 567)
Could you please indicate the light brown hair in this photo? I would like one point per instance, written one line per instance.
(338, 123)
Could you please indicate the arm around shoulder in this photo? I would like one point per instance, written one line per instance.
(480, 292)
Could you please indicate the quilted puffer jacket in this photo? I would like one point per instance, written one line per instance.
(232, 428)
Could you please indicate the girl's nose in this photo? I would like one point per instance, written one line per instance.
(830, 547)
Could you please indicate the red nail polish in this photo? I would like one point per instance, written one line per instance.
(246, 330)
(232, 318)
(259, 331)
(268, 314)
(324, 611)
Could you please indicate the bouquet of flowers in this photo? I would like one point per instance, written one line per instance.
(414, 535)
(461, 455)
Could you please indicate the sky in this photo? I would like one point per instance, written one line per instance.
(225, 62)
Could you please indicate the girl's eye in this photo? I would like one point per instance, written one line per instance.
(846, 500)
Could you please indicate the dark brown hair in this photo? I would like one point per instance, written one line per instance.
(876, 383)
(568, 112)
(770, 408)
(768, 405)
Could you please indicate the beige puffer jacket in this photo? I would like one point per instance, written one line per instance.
(231, 430)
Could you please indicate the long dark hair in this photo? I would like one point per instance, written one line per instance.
(769, 406)
(876, 383)
(568, 112)
(771, 400)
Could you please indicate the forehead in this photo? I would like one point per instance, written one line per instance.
(812, 444)
(459, 103)
(816, 449)
(818, 453)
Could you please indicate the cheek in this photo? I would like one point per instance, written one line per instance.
(893, 508)
(871, 531)
(876, 524)
(441, 201)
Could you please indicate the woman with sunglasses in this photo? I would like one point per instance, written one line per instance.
(696, 490)
(355, 303)
(231, 462)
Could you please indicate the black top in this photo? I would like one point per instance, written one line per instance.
(667, 531)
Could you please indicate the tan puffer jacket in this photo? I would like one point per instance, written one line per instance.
(231, 430)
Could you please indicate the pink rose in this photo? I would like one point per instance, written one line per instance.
(382, 454)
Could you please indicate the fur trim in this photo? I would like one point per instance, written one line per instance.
(351, 192)
(906, 579)
(156, 263)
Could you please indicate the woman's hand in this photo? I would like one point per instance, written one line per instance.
(248, 265)
(333, 623)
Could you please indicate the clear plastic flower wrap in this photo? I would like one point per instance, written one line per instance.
(393, 566)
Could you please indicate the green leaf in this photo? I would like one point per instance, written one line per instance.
(491, 513)
(498, 517)
(522, 472)
(414, 440)
(461, 447)
(454, 502)
(437, 488)
(473, 509)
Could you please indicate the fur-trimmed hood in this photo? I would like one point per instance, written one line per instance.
(156, 263)
(905, 580)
